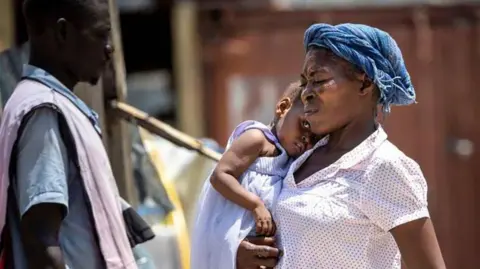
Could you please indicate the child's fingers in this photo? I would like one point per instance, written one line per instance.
(269, 225)
(264, 227)
(274, 228)
(258, 227)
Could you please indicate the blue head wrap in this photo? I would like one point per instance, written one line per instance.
(373, 51)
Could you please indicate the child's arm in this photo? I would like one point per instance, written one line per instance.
(234, 162)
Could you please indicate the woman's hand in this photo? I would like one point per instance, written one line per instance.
(418, 244)
(257, 252)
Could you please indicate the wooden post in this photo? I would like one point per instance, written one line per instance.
(187, 69)
(118, 132)
(7, 31)
(7, 24)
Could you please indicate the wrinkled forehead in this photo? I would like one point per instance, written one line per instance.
(322, 60)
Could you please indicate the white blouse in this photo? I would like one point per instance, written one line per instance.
(340, 217)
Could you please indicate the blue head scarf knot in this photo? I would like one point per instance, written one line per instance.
(373, 51)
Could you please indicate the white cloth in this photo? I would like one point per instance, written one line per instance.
(340, 217)
(221, 225)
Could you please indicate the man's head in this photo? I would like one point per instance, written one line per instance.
(74, 34)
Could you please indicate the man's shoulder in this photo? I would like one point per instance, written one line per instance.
(40, 129)
(26, 95)
(30, 86)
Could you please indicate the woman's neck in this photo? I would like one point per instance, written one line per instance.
(351, 135)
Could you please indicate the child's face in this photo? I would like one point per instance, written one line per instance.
(293, 131)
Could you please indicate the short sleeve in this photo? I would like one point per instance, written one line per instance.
(42, 162)
(395, 193)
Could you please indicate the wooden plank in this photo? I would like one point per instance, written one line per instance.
(119, 138)
(164, 130)
(187, 69)
(93, 96)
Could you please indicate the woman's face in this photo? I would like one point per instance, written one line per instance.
(333, 95)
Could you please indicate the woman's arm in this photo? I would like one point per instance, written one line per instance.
(394, 197)
(234, 162)
(418, 244)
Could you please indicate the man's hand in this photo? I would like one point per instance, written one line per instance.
(257, 252)
(39, 231)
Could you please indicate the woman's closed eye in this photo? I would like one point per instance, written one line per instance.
(323, 83)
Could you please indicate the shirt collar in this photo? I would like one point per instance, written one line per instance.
(36, 73)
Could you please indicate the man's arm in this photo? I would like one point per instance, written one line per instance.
(39, 230)
(41, 188)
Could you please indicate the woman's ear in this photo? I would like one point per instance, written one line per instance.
(283, 106)
(367, 86)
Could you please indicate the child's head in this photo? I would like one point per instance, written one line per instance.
(289, 124)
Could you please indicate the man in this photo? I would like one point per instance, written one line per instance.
(63, 209)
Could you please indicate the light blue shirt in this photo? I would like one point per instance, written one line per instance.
(46, 174)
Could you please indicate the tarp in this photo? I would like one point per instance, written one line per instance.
(182, 172)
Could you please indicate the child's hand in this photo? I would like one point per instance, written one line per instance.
(264, 222)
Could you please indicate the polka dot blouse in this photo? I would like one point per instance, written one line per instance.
(340, 217)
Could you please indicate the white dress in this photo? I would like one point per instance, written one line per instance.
(340, 217)
(221, 225)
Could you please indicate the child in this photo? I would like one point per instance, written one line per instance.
(257, 152)
(249, 175)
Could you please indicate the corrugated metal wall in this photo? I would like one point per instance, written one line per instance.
(251, 55)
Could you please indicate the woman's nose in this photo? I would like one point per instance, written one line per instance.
(307, 96)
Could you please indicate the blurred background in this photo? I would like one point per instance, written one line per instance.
(203, 66)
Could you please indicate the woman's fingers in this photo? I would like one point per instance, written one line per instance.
(262, 241)
(257, 252)
(266, 256)
(266, 262)
(263, 252)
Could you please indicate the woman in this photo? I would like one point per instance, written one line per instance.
(354, 200)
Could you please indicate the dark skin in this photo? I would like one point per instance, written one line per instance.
(72, 51)
(294, 137)
(341, 102)
(250, 249)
